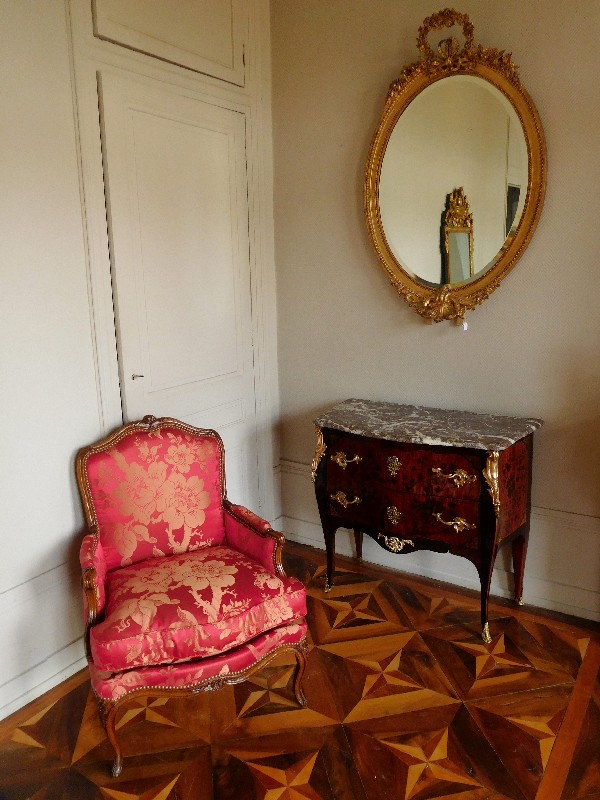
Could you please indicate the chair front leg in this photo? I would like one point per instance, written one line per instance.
(108, 714)
(301, 651)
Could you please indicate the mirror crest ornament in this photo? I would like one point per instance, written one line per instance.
(479, 69)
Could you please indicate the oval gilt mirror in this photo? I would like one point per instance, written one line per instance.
(456, 173)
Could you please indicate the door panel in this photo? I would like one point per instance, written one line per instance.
(187, 214)
(203, 35)
(175, 171)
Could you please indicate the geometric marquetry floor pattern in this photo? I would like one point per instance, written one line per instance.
(405, 702)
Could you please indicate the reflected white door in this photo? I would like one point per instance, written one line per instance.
(175, 171)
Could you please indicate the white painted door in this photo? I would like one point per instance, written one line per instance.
(175, 171)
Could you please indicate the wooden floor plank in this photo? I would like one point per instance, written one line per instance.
(405, 702)
(561, 758)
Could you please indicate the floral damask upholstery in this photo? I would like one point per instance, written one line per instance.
(155, 495)
(183, 589)
(197, 604)
(188, 675)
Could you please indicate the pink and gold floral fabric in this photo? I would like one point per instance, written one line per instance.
(188, 606)
(247, 532)
(157, 493)
(113, 686)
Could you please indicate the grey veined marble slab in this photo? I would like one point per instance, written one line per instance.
(429, 426)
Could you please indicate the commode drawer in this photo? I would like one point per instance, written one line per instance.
(439, 519)
(353, 505)
(350, 461)
(427, 472)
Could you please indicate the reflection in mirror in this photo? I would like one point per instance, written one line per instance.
(513, 196)
(458, 235)
(460, 131)
(459, 256)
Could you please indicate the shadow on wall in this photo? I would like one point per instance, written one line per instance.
(302, 428)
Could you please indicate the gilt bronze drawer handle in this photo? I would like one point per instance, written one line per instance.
(393, 465)
(458, 523)
(394, 544)
(393, 514)
(342, 460)
(341, 498)
(460, 477)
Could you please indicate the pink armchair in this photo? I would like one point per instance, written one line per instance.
(183, 591)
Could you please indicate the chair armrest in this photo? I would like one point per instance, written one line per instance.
(254, 537)
(93, 566)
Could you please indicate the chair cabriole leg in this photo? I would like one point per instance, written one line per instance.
(300, 653)
(108, 714)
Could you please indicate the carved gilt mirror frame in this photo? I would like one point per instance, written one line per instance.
(436, 302)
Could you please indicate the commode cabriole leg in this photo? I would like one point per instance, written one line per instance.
(485, 576)
(358, 542)
(329, 532)
(519, 552)
(488, 548)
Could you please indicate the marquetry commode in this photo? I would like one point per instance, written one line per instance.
(417, 478)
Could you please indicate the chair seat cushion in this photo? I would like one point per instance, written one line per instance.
(189, 606)
(194, 675)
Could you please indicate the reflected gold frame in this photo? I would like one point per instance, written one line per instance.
(458, 219)
(437, 303)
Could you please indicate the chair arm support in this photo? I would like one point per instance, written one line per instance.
(254, 537)
(91, 558)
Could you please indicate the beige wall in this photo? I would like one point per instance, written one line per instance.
(59, 383)
(531, 349)
(48, 397)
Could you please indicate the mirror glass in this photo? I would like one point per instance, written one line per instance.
(459, 131)
(459, 260)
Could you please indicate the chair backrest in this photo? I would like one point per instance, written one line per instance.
(153, 488)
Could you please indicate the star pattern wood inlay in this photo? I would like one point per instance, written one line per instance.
(404, 701)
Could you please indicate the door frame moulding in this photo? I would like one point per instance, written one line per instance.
(92, 57)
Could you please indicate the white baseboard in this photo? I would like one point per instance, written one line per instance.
(562, 571)
(41, 620)
(41, 678)
(41, 626)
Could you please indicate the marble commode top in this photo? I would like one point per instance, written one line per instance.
(429, 426)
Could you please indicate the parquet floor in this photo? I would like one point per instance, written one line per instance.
(405, 702)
